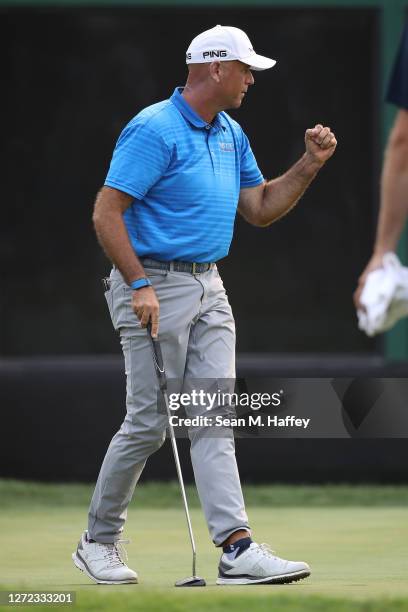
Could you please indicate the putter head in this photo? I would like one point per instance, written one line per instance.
(193, 581)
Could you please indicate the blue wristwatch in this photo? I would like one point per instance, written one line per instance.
(139, 283)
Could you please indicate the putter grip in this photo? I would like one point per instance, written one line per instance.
(158, 359)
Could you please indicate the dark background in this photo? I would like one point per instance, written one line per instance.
(62, 413)
(75, 77)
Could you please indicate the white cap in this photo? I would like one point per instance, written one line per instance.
(225, 43)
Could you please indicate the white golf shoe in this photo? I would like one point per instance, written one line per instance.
(258, 565)
(103, 563)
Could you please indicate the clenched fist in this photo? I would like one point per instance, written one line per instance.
(320, 143)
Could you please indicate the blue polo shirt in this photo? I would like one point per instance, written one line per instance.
(185, 177)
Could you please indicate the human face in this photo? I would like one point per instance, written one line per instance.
(237, 77)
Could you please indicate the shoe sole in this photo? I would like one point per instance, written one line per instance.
(83, 568)
(281, 579)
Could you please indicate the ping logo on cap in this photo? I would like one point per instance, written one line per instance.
(218, 53)
(225, 43)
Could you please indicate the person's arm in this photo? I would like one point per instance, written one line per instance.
(268, 202)
(112, 235)
(394, 198)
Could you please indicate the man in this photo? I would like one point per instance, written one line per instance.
(394, 180)
(164, 217)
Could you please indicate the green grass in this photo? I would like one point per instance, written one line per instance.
(357, 550)
(159, 495)
(148, 601)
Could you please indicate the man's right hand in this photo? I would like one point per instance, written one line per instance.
(374, 263)
(146, 307)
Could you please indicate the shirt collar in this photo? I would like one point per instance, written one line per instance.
(185, 109)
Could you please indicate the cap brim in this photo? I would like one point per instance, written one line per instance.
(258, 62)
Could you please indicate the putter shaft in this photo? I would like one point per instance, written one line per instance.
(161, 376)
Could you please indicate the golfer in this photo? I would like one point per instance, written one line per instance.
(393, 212)
(180, 171)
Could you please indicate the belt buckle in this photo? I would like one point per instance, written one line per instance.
(194, 266)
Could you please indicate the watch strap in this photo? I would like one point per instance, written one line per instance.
(139, 283)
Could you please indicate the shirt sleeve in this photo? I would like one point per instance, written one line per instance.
(140, 158)
(250, 174)
(398, 88)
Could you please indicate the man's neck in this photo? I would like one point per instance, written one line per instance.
(198, 102)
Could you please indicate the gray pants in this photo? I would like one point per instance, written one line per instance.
(197, 336)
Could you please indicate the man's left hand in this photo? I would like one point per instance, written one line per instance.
(320, 143)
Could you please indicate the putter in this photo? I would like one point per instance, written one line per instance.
(192, 581)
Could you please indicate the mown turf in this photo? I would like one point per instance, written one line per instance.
(167, 495)
(194, 601)
(358, 554)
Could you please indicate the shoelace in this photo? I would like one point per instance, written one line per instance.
(115, 553)
(265, 550)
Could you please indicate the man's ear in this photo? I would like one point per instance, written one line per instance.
(215, 71)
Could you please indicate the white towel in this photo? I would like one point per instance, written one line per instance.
(384, 296)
